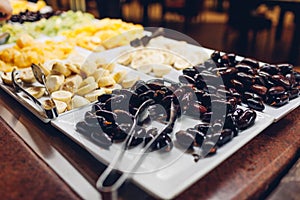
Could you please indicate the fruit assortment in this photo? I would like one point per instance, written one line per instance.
(30, 16)
(104, 34)
(27, 51)
(113, 116)
(257, 84)
(23, 5)
(49, 27)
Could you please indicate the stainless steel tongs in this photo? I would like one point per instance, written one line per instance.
(49, 109)
(111, 169)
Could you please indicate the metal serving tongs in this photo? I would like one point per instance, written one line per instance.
(144, 41)
(49, 109)
(110, 171)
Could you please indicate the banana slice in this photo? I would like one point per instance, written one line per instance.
(120, 76)
(110, 67)
(69, 86)
(75, 68)
(106, 81)
(60, 68)
(37, 92)
(130, 81)
(87, 89)
(76, 78)
(125, 59)
(27, 75)
(87, 81)
(147, 68)
(93, 96)
(160, 70)
(79, 101)
(169, 58)
(60, 106)
(6, 78)
(181, 64)
(100, 72)
(139, 60)
(54, 82)
(89, 67)
(62, 95)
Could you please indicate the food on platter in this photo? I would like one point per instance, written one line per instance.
(50, 27)
(31, 16)
(28, 51)
(161, 55)
(22, 5)
(256, 84)
(104, 34)
(166, 102)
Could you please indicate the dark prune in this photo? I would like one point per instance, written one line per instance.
(281, 80)
(225, 136)
(163, 142)
(293, 93)
(270, 69)
(137, 137)
(275, 91)
(251, 62)
(215, 56)
(140, 87)
(285, 68)
(259, 89)
(185, 79)
(150, 134)
(238, 85)
(256, 104)
(277, 100)
(246, 79)
(190, 72)
(245, 68)
(247, 119)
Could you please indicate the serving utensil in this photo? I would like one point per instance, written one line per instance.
(49, 108)
(144, 41)
(105, 182)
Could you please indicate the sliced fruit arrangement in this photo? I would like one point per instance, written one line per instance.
(28, 51)
(22, 5)
(72, 85)
(104, 34)
(161, 55)
(50, 27)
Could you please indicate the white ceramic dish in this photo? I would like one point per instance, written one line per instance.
(163, 175)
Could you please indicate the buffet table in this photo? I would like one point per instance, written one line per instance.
(38, 161)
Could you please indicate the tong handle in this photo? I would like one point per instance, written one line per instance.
(120, 179)
(51, 113)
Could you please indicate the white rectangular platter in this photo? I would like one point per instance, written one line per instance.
(163, 175)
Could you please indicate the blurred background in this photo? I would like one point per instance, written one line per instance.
(266, 30)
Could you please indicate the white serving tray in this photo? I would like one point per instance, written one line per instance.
(163, 175)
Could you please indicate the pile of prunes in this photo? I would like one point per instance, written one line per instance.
(31, 16)
(274, 85)
(133, 111)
